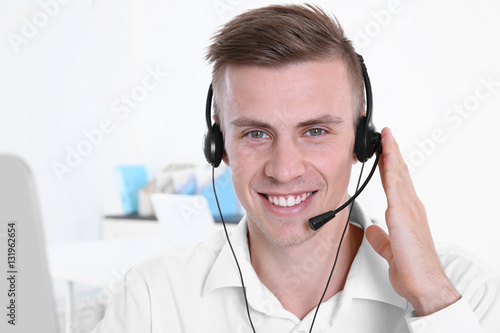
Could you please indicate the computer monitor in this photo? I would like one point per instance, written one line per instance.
(26, 296)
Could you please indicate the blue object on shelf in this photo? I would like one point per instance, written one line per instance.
(229, 204)
(130, 179)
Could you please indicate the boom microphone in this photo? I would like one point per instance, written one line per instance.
(318, 221)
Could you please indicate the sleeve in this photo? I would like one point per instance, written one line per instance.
(456, 318)
(479, 308)
(129, 308)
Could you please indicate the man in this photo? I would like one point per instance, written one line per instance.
(288, 95)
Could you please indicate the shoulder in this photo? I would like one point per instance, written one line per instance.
(169, 283)
(469, 274)
(478, 284)
(458, 261)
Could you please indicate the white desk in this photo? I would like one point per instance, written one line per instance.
(97, 263)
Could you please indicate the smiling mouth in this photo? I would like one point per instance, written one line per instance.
(287, 200)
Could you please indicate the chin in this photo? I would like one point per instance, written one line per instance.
(288, 238)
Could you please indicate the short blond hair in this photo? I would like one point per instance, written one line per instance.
(278, 35)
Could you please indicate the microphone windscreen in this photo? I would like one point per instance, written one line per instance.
(317, 222)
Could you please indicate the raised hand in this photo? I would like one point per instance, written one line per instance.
(414, 268)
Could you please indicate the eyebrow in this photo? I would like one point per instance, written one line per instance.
(326, 119)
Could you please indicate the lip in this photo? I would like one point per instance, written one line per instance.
(296, 210)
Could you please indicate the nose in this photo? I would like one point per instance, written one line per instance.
(286, 161)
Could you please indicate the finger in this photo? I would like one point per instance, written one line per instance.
(391, 148)
(389, 168)
(380, 242)
(394, 172)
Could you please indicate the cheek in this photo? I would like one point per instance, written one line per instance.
(244, 166)
(335, 165)
(236, 157)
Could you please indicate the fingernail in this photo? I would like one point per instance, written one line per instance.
(390, 134)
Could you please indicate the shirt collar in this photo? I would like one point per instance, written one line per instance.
(224, 272)
(367, 279)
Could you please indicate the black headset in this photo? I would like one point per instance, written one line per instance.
(366, 142)
(213, 145)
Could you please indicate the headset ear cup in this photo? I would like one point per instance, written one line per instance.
(207, 143)
(360, 142)
(219, 144)
(213, 146)
(367, 140)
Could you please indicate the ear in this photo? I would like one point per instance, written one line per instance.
(354, 158)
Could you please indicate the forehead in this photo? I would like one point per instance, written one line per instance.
(299, 90)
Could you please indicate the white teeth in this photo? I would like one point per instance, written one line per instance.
(289, 200)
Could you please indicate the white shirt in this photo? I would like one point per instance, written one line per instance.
(198, 289)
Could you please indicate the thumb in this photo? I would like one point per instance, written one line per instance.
(380, 242)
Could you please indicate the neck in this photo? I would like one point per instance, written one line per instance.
(297, 275)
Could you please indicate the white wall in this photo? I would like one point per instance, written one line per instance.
(70, 74)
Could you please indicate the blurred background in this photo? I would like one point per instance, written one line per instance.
(89, 85)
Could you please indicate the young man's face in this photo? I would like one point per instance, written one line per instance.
(289, 140)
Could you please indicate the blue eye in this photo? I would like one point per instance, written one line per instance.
(258, 135)
(315, 132)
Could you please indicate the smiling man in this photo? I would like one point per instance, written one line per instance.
(289, 93)
(289, 135)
